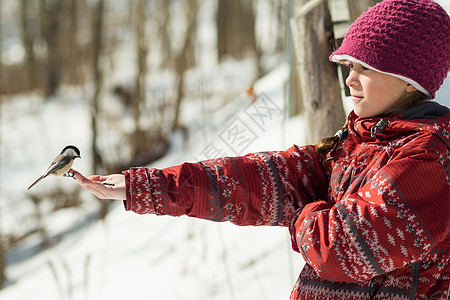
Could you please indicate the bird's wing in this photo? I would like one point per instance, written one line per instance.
(54, 166)
(57, 165)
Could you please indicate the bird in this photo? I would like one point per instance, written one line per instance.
(61, 164)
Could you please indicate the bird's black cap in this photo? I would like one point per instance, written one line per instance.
(71, 147)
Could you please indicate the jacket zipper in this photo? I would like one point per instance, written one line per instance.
(448, 292)
(415, 280)
(372, 288)
(379, 127)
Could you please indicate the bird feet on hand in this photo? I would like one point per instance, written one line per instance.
(69, 174)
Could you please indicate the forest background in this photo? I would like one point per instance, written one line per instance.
(155, 83)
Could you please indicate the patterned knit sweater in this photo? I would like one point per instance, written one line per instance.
(371, 223)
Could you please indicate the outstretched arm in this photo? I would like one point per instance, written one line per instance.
(256, 189)
(262, 188)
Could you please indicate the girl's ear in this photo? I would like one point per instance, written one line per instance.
(410, 88)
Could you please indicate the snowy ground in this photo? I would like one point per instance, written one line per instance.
(138, 257)
(145, 257)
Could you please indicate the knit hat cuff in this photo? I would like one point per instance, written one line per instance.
(339, 57)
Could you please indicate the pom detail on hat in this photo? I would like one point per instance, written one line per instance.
(409, 39)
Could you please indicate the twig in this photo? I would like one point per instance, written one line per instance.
(307, 8)
(56, 277)
(69, 279)
(225, 265)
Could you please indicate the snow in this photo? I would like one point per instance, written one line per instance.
(131, 256)
(160, 258)
(128, 256)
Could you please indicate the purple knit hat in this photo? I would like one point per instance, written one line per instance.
(409, 39)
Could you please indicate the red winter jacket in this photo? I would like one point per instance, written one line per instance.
(373, 223)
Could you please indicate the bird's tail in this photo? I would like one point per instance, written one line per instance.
(34, 183)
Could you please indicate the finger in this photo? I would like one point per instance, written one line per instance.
(97, 178)
(76, 175)
(95, 187)
(92, 184)
(86, 183)
(100, 190)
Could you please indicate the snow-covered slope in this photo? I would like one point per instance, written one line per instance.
(141, 257)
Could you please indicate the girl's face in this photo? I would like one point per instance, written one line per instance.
(374, 93)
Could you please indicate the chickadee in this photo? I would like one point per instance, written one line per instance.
(61, 164)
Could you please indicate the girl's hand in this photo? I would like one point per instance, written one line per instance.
(104, 187)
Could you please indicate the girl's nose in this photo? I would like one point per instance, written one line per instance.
(352, 79)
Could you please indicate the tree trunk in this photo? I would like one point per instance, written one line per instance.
(164, 32)
(97, 47)
(98, 80)
(182, 61)
(2, 265)
(73, 51)
(2, 250)
(138, 96)
(52, 12)
(235, 28)
(313, 43)
(27, 40)
(357, 7)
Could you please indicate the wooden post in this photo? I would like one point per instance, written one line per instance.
(294, 88)
(312, 30)
(2, 250)
(357, 7)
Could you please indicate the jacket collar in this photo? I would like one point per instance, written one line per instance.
(427, 110)
(429, 116)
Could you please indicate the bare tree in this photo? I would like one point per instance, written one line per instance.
(56, 24)
(164, 32)
(73, 52)
(182, 61)
(235, 28)
(52, 13)
(97, 39)
(28, 42)
(2, 263)
(2, 247)
(138, 95)
(313, 42)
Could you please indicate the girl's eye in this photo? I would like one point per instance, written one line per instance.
(364, 68)
(348, 65)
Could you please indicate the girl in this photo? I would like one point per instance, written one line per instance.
(369, 208)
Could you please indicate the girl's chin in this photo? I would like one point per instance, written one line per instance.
(363, 115)
(361, 112)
